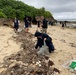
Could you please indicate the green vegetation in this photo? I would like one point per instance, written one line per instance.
(2, 15)
(15, 8)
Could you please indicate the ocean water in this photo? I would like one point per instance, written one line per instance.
(71, 20)
(71, 24)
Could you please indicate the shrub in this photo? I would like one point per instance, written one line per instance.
(2, 15)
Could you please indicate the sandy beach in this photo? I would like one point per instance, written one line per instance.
(8, 45)
(64, 41)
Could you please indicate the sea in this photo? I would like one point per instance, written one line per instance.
(72, 22)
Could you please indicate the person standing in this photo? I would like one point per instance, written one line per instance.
(38, 24)
(63, 25)
(26, 24)
(44, 25)
(30, 20)
(16, 24)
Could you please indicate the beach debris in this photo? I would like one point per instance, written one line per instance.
(56, 70)
(26, 61)
(71, 65)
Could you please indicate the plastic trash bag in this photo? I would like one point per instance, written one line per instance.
(19, 30)
(43, 50)
(24, 26)
(71, 65)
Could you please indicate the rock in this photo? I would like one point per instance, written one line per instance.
(50, 63)
(56, 70)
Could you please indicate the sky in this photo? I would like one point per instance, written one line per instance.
(61, 9)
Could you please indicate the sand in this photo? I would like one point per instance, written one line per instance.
(8, 45)
(64, 41)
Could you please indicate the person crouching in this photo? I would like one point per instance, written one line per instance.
(41, 37)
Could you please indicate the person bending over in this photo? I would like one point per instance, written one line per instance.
(41, 37)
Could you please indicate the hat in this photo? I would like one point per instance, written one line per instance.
(38, 34)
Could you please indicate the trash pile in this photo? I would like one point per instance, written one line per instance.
(27, 62)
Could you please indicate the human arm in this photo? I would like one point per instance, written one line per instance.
(46, 37)
(36, 46)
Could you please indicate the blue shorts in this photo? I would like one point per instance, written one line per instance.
(26, 26)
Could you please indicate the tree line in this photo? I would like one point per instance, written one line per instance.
(16, 8)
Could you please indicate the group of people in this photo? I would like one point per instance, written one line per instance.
(27, 23)
(41, 35)
(63, 24)
(42, 25)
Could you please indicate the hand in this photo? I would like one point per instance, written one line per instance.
(34, 48)
(44, 39)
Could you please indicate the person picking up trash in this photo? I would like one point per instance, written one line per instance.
(41, 37)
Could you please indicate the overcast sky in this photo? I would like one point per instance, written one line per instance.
(61, 9)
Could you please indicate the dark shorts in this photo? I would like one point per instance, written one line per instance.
(26, 26)
(16, 27)
(62, 25)
(38, 25)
